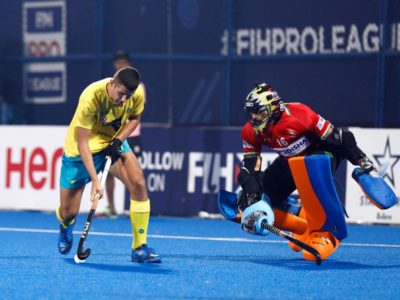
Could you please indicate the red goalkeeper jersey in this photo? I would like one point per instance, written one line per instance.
(297, 132)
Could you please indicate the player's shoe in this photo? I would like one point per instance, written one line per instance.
(322, 241)
(145, 254)
(107, 214)
(65, 238)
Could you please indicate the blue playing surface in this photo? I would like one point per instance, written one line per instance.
(201, 259)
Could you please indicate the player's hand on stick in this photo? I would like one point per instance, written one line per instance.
(115, 150)
(254, 215)
(247, 199)
(97, 191)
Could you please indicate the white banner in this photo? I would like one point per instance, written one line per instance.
(382, 146)
(30, 162)
(30, 165)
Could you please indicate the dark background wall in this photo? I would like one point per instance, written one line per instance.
(199, 59)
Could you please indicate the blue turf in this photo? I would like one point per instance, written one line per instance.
(256, 268)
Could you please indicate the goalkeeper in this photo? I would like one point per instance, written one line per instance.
(108, 112)
(292, 130)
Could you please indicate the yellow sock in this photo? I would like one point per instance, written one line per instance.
(140, 214)
(64, 223)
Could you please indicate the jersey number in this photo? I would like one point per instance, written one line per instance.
(282, 142)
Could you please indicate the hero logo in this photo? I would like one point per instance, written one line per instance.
(33, 166)
(43, 48)
(295, 148)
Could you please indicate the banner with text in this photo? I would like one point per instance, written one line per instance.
(184, 169)
(382, 146)
(30, 165)
(44, 34)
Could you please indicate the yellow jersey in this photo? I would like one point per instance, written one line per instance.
(96, 111)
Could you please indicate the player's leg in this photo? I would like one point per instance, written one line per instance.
(129, 171)
(136, 145)
(278, 184)
(73, 179)
(323, 211)
(110, 186)
(70, 200)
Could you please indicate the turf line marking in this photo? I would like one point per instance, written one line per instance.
(179, 237)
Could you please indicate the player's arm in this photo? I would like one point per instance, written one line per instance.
(115, 149)
(342, 141)
(338, 141)
(128, 127)
(249, 179)
(249, 176)
(134, 118)
(83, 135)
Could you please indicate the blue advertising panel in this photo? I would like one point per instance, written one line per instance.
(391, 107)
(37, 80)
(43, 20)
(62, 114)
(208, 54)
(197, 26)
(186, 167)
(136, 26)
(328, 87)
(198, 93)
(83, 27)
(158, 90)
(335, 88)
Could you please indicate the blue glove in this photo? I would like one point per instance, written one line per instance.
(255, 214)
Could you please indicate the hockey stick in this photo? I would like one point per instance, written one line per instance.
(81, 254)
(302, 245)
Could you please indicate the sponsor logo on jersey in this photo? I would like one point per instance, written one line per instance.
(295, 148)
(291, 132)
(321, 123)
(247, 145)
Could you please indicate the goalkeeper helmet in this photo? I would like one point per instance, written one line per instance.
(264, 105)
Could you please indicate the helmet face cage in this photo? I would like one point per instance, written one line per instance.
(260, 99)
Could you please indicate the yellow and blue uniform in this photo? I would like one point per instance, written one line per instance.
(96, 111)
